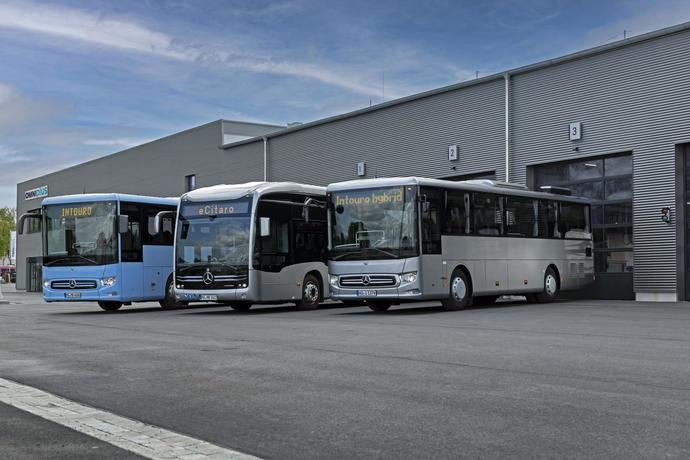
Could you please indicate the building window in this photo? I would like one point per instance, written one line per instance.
(189, 182)
(607, 181)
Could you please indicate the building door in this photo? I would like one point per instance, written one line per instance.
(607, 182)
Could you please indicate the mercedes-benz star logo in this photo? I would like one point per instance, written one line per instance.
(366, 280)
(72, 284)
(208, 278)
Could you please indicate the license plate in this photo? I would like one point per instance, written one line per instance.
(72, 295)
(208, 297)
(366, 293)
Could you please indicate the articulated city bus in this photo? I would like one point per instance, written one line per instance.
(409, 239)
(258, 242)
(103, 248)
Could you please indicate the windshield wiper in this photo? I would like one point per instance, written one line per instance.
(70, 259)
(364, 251)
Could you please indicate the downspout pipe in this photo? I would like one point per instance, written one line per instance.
(265, 139)
(506, 77)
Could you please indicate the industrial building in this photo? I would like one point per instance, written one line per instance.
(611, 123)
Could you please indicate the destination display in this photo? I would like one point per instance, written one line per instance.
(215, 209)
(370, 197)
(77, 211)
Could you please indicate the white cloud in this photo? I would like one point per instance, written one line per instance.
(18, 111)
(127, 35)
(640, 22)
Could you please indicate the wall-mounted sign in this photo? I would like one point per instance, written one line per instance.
(40, 192)
(452, 153)
(575, 130)
(361, 169)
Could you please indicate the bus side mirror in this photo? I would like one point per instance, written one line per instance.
(122, 224)
(22, 220)
(265, 224)
(157, 221)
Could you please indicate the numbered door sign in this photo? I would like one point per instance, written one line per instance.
(575, 131)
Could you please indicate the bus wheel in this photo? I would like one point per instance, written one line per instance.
(459, 297)
(311, 293)
(550, 287)
(110, 306)
(239, 306)
(379, 305)
(170, 300)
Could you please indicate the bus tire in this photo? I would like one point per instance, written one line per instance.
(311, 293)
(110, 306)
(239, 306)
(379, 305)
(459, 295)
(170, 300)
(550, 287)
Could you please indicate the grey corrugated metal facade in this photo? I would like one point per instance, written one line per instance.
(157, 168)
(630, 96)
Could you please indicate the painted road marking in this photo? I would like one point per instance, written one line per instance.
(138, 437)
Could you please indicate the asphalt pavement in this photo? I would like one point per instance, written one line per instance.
(576, 379)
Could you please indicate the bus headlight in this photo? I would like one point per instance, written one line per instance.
(408, 278)
(109, 281)
(333, 279)
(46, 284)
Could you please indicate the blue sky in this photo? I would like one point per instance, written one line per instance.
(81, 79)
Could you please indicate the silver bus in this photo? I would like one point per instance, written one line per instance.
(409, 239)
(259, 242)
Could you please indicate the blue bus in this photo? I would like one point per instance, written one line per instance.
(103, 248)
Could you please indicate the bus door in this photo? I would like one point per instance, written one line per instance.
(131, 253)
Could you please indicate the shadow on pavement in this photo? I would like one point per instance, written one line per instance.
(266, 309)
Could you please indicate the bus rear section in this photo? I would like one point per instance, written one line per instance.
(254, 243)
(477, 241)
(100, 248)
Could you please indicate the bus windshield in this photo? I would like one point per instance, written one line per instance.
(80, 234)
(373, 224)
(214, 233)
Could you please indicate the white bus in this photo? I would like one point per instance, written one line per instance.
(259, 242)
(410, 239)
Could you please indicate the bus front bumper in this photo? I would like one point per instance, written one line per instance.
(212, 295)
(410, 292)
(103, 294)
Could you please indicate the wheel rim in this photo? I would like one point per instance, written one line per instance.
(171, 292)
(459, 289)
(311, 292)
(550, 284)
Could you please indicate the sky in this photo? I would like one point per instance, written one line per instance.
(82, 79)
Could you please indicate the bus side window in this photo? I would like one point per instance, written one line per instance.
(132, 240)
(548, 219)
(575, 220)
(487, 214)
(520, 216)
(431, 220)
(457, 213)
(274, 249)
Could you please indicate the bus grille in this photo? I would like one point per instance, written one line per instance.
(73, 284)
(219, 281)
(368, 281)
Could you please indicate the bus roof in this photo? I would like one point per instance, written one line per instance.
(481, 185)
(235, 191)
(93, 197)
